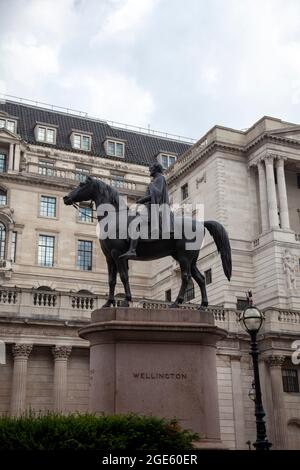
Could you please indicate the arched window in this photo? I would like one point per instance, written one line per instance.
(190, 291)
(3, 197)
(2, 240)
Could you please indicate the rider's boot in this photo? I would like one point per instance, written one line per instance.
(131, 253)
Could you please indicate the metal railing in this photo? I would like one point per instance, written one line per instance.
(82, 114)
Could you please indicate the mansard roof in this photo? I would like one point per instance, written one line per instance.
(140, 148)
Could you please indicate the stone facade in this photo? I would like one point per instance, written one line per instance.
(247, 180)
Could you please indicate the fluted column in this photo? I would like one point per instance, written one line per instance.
(279, 419)
(21, 353)
(271, 192)
(282, 194)
(263, 196)
(61, 355)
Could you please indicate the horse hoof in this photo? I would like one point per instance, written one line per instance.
(174, 305)
(203, 305)
(108, 304)
(124, 303)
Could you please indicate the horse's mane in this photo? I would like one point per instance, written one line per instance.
(110, 195)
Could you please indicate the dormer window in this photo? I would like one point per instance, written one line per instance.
(8, 124)
(115, 148)
(166, 159)
(81, 141)
(45, 133)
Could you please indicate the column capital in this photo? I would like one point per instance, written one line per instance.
(61, 352)
(21, 350)
(275, 361)
(269, 158)
(280, 160)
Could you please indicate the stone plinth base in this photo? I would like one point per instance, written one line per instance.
(156, 362)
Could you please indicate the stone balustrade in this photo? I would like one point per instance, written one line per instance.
(36, 303)
(71, 175)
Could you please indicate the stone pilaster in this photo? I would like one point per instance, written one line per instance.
(275, 364)
(282, 194)
(271, 191)
(17, 157)
(21, 354)
(61, 355)
(11, 157)
(263, 196)
(238, 402)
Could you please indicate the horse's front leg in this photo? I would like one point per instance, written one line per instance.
(123, 271)
(112, 277)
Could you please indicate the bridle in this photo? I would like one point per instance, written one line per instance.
(80, 210)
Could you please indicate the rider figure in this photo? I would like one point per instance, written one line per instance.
(157, 193)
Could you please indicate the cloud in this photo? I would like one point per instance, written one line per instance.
(111, 96)
(124, 20)
(180, 66)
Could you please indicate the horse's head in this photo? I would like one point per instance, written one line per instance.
(83, 192)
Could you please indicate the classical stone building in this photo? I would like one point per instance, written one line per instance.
(53, 273)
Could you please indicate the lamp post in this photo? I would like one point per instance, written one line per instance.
(251, 320)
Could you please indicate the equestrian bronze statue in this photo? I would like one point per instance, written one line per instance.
(118, 248)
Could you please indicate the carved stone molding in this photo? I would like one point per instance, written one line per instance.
(275, 361)
(61, 352)
(21, 350)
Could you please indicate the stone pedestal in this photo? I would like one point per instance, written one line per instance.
(156, 362)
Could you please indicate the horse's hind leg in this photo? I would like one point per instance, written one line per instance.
(200, 279)
(185, 267)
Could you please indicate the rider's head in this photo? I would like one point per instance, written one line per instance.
(155, 168)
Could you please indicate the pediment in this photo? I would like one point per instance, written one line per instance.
(8, 134)
(292, 133)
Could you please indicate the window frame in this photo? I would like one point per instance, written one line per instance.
(10, 120)
(78, 264)
(89, 220)
(3, 192)
(208, 274)
(45, 246)
(287, 384)
(168, 295)
(79, 172)
(190, 291)
(49, 168)
(13, 246)
(5, 162)
(184, 187)
(45, 128)
(115, 143)
(169, 156)
(3, 242)
(48, 196)
(81, 135)
(117, 181)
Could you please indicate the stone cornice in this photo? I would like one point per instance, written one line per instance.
(182, 166)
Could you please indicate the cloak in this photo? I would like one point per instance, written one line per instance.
(158, 192)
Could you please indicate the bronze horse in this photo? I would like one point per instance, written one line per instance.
(101, 193)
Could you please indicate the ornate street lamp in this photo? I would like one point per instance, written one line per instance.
(251, 320)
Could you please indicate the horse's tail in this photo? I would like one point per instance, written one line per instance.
(221, 239)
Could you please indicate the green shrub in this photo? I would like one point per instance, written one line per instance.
(89, 432)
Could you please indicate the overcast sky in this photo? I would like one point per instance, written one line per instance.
(179, 65)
